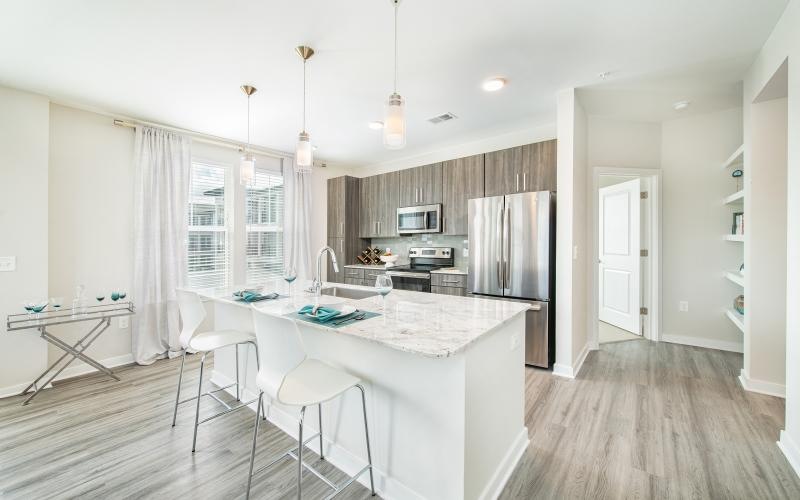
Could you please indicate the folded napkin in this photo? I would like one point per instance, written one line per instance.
(323, 315)
(248, 296)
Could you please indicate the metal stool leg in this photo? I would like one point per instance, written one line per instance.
(300, 455)
(321, 455)
(197, 409)
(178, 395)
(366, 433)
(253, 450)
(258, 367)
(238, 391)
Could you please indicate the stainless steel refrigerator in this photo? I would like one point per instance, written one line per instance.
(512, 256)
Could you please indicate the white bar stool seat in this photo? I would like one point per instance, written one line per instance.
(192, 315)
(289, 377)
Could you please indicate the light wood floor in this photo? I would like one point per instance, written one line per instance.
(643, 420)
(607, 333)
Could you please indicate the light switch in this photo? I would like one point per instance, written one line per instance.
(683, 306)
(8, 264)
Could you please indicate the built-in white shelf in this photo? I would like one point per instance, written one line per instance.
(736, 318)
(736, 198)
(735, 237)
(735, 277)
(737, 158)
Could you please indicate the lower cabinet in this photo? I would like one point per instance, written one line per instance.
(353, 281)
(449, 290)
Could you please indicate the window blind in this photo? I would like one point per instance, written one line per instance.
(208, 245)
(264, 200)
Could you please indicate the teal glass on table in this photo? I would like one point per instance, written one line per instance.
(122, 295)
(383, 285)
(100, 297)
(28, 305)
(115, 296)
(56, 302)
(289, 275)
(39, 306)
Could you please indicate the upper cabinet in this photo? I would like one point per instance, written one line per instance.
(344, 214)
(336, 207)
(421, 185)
(524, 168)
(380, 198)
(462, 179)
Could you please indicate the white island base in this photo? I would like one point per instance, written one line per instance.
(446, 422)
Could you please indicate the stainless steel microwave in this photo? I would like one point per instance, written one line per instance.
(422, 219)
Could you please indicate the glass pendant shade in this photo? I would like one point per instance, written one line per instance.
(247, 169)
(394, 123)
(304, 156)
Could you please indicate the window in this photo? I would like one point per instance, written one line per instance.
(264, 202)
(208, 245)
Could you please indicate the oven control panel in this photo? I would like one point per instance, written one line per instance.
(431, 252)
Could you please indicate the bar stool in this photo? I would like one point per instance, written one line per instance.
(289, 377)
(192, 315)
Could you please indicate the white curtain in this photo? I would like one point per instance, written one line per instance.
(163, 169)
(297, 220)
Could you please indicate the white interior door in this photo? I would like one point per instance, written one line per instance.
(619, 245)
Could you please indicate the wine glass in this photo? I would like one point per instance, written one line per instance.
(115, 296)
(122, 295)
(28, 305)
(101, 296)
(383, 285)
(289, 275)
(56, 302)
(39, 306)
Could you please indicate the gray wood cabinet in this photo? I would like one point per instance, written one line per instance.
(380, 198)
(449, 290)
(344, 214)
(462, 179)
(531, 167)
(420, 185)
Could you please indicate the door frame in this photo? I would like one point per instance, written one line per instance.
(653, 245)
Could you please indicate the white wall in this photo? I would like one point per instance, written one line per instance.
(694, 220)
(23, 230)
(785, 42)
(614, 142)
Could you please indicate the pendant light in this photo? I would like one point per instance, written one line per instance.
(304, 154)
(394, 122)
(247, 165)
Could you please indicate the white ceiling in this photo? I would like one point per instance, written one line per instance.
(181, 62)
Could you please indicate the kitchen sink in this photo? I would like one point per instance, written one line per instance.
(348, 293)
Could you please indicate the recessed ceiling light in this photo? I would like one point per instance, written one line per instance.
(494, 84)
(375, 125)
(604, 75)
(680, 105)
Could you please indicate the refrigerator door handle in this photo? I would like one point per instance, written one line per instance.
(507, 249)
(499, 241)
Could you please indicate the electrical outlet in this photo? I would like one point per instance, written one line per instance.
(8, 264)
(124, 322)
(514, 341)
(683, 306)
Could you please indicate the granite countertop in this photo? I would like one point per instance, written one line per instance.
(426, 324)
(449, 270)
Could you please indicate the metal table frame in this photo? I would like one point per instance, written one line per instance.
(101, 314)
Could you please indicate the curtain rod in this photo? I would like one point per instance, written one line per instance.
(205, 138)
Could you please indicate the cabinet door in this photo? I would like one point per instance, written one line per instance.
(462, 180)
(501, 175)
(539, 166)
(387, 198)
(407, 187)
(338, 247)
(336, 207)
(370, 207)
(429, 184)
(449, 290)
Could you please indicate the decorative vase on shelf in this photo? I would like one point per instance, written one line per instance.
(738, 304)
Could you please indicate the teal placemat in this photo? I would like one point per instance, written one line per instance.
(334, 323)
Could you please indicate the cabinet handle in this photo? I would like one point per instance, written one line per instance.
(444, 223)
(452, 282)
(517, 182)
(524, 181)
(380, 223)
(341, 228)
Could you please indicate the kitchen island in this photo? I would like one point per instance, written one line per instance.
(444, 378)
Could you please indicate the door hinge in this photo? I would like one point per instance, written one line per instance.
(643, 311)
(643, 195)
(643, 252)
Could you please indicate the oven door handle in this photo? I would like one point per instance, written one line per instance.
(402, 274)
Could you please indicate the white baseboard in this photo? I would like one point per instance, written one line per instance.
(386, 486)
(75, 369)
(567, 371)
(506, 468)
(791, 451)
(761, 387)
(720, 345)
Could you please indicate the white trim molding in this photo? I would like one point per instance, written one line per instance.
(790, 450)
(76, 369)
(566, 371)
(720, 345)
(506, 467)
(761, 386)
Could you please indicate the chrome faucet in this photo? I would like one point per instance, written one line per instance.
(316, 286)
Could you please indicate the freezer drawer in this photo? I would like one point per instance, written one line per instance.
(538, 335)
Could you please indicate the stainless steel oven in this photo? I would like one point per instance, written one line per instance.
(422, 219)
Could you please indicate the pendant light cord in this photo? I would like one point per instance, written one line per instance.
(248, 123)
(395, 46)
(304, 94)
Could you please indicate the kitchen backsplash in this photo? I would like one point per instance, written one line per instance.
(400, 246)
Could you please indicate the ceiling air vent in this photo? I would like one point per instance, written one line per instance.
(444, 117)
